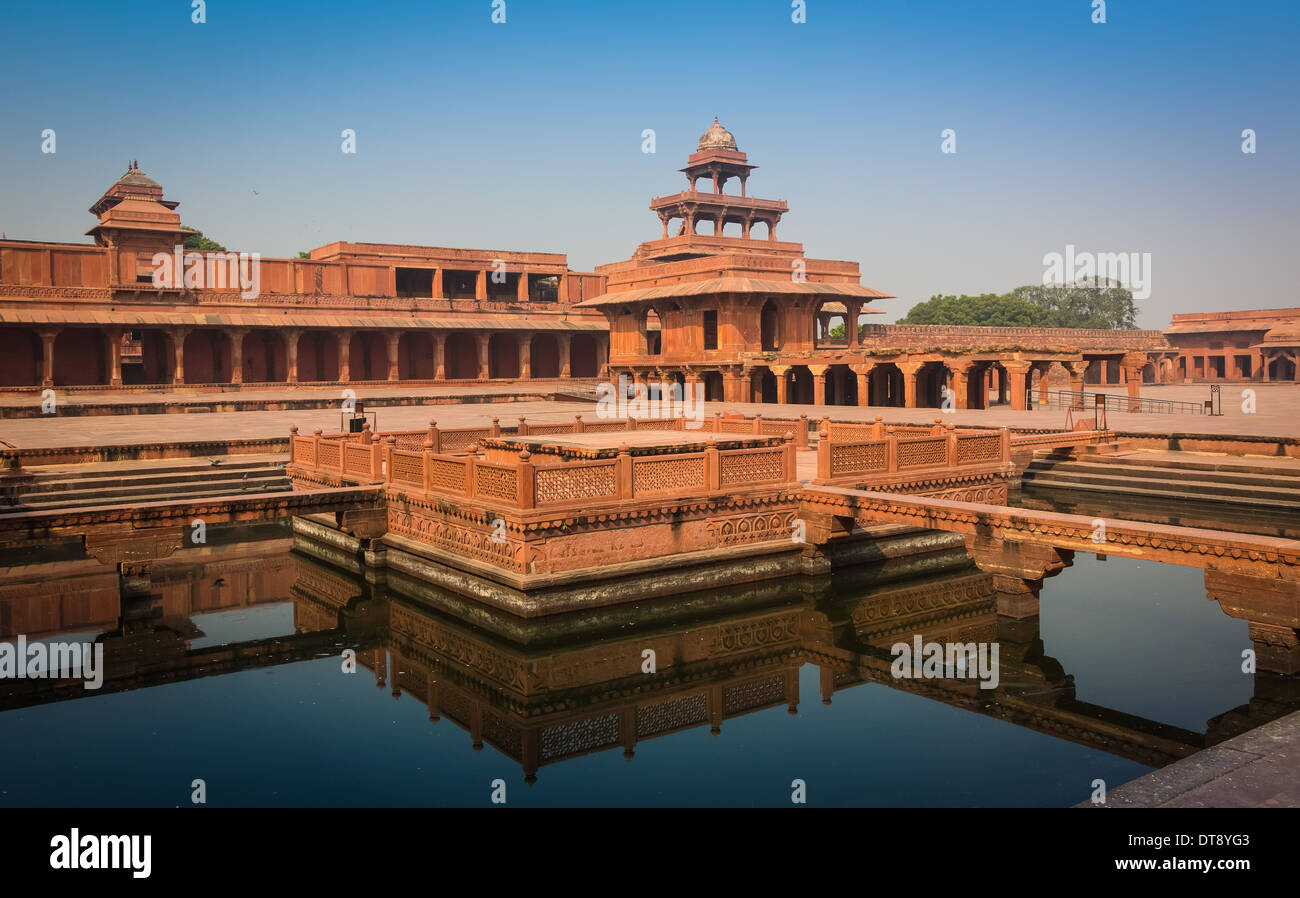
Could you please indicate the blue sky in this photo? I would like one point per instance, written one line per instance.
(1119, 137)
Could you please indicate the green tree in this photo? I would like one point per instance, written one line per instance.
(837, 331)
(302, 255)
(1095, 303)
(197, 241)
(985, 310)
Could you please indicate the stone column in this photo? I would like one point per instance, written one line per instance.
(345, 356)
(525, 356)
(178, 335)
(564, 343)
(47, 356)
(864, 382)
(960, 385)
(851, 325)
(1018, 372)
(521, 289)
(819, 383)
(782, 375)
(484, 368)
(114, 337)
(439, 362)
(733, 386)
(437, 283)
(394, 343)
(480, 285)
(1076, 371)
(291, 354)
(910, 371)
(235, 337)
(1132, 365)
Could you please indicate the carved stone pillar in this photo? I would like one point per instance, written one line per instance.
(114, 337)
(782, 375)
(236, 338)
(178, 335)
(1018, 372)
(47, 356)
(525, 356)
(394, 344)
(910, 371)
(819, 383)
(484, 368)
(480, 285)
(290, 338)
(564, 344)
(345, 356)
(439, 364)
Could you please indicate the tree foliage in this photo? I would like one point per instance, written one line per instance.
(985, 310)
(197, 241)
(1096, 303)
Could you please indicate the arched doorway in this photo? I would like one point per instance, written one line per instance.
(885, 386)
(931, 382)
(652, 333)
(712, 386)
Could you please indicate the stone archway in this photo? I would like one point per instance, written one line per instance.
(885, 386)
(931, 380)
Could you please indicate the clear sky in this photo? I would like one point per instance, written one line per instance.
(1115, 137)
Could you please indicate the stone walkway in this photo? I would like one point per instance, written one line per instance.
(1277, 414)
(1258, 769)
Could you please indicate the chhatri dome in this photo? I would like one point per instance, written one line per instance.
(716, 138)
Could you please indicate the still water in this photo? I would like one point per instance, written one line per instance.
(232, 672)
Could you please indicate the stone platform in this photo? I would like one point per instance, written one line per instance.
(1258, 769)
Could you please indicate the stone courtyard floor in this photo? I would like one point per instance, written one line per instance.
(1277, 414)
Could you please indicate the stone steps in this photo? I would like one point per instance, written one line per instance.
(81, 486)
(1198, 481)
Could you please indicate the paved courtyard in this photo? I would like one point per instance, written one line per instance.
(1277, 414)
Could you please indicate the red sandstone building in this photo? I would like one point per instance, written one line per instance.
(716, 299)
(1256, 345)
(90, 315)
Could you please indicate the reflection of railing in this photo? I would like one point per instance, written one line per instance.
(490, 470)
(1080, 399)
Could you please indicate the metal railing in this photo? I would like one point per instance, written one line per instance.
(1081, 399)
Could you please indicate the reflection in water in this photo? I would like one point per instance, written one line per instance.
(567, 692)
(1276, 519)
